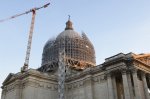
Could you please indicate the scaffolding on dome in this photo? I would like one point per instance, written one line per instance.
(79, 51)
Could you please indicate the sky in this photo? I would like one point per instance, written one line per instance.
(113, 26)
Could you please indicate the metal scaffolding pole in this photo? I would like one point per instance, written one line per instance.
(61, 71)
(61, 75)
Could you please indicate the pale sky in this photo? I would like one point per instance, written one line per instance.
(113, 26)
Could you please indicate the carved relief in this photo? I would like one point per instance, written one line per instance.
(10, 88)
(40, 85)
(99, 79)
(49, 86)
(55, 87)
(75, 85)
(102, 78)
(95, 79)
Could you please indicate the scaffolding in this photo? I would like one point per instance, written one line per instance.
(79, 51)
(61, 75)
(68, 50)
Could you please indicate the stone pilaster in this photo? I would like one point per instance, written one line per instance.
(18, 88)
(136, 84)
(145, 85)
(88, 87)
(3, 94)
(110, 87)
(125, 84)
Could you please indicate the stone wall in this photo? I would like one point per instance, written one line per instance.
(121, 78)
(100, 88)
(34, 85)
(40, 89)
(89, 86)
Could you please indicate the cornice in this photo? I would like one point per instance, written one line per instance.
(31, 73)
(88, 71)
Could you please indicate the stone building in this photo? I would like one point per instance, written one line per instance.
(122, 76)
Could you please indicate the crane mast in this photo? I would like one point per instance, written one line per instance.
(26, 63)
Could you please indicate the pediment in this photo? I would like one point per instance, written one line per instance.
(144, 58)
(9, 78)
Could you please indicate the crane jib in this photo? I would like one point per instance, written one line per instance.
(26, 12)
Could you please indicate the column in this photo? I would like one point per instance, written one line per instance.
(145, 85)
(130, 84)
(125, 85)
(114, 87)
(136, 85)
(148, 79)
(148, 83)
(110, 87)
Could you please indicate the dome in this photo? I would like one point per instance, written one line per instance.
(79, 51)
(68, 34)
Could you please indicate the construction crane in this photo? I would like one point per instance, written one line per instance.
(26, 63)
(33, 10)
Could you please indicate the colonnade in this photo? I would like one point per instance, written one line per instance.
(131, 84)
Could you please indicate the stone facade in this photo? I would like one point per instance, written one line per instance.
(30, 85)
(123, 76)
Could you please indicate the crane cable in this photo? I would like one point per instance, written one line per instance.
(17, 15)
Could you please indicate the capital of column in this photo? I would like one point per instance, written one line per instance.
(109, 73)
(124, 71)
(143, 74)
(134, 70)
(149, 76)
